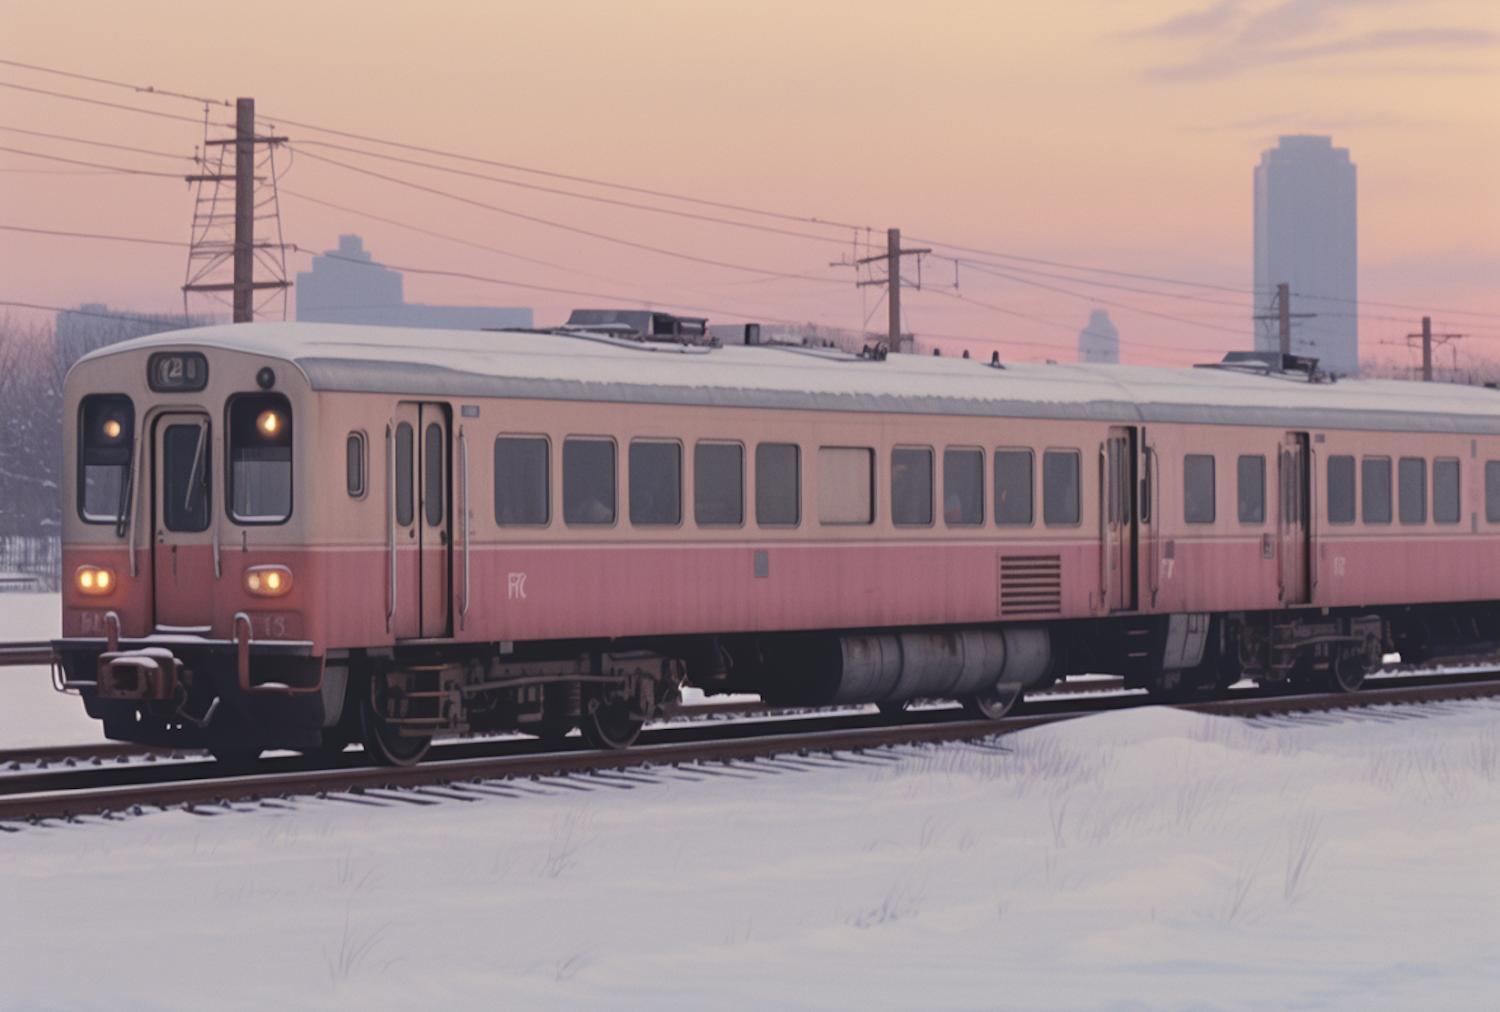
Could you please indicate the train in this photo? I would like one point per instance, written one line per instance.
(302, 536)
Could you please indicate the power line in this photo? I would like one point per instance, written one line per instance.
(93, 165)
(1081, 267)
(994, 271)
(1119, 305)
(559, 225)
(92, 235)
(570, 178)
(96, 101)
(98, 144)
(438, 235)
(580, 196)
(521, 284)
(145, 89)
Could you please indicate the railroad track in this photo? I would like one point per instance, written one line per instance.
(80, 790)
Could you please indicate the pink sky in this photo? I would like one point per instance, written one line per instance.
(1091, 132)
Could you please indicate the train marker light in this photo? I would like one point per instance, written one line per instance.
(95, 580)
(268, 581)
(269, 423)
(112, 429)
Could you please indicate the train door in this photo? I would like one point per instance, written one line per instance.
(1119, 518)
(420, 507)
(182, 518)
(1294, 523)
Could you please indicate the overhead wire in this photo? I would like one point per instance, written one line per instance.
(110, 105)
(93, 235)
(143, 89)
(645, 191)
(579, 196)
(559, 225)
(93, 165)
(99, 144)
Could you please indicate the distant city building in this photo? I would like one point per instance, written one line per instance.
(94, 325)
(1305, 238)
(1099, 341)
(346, 285)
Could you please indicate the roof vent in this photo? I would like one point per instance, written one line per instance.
(1268, 363)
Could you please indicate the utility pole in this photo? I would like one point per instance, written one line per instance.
(1281, 312)
(1427, 337)
(210, 251)
(892, 257)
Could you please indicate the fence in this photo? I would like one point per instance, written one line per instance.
(30, 564)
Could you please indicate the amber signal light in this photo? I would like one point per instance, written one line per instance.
(268, 581)
(95, 580)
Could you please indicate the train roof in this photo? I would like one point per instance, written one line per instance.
(553, 366)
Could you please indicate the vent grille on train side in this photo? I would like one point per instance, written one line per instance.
(1030, 584)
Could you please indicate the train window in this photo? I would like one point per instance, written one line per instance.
(846, 485)
(260, 459)
(655, 482)
(1492, 491)
(354, 465)
(1252, 489)
(1013, 489)
(404, 459)
(1060, 491)
(1198, 488)
(185, 477)
(588, 481)
(1411, 477)
(911, 486)
(1375, 489)
(106, 437)
(432, 474)
(1341, 490)
(778, 485)
(521, 477)
(963, 487)
(719, 483)
(1445, 506)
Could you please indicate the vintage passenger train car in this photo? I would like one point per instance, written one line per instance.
(299, 535)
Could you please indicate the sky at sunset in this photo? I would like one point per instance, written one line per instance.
(1118, 135)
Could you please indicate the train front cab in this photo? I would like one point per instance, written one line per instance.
(185, 622)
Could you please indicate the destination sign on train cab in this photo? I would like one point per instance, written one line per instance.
(177, 371)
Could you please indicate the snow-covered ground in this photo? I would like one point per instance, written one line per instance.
(35, 714)
(1141, 859)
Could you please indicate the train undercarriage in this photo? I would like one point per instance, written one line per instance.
(209, 694)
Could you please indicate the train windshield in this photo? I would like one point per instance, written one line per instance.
(260, 459)
(106, 441)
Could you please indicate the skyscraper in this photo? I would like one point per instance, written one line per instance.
(1305, 238)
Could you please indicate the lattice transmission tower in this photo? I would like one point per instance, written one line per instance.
(236, 198)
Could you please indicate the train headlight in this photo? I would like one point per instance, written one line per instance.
(268, 581)
(95, 580)
(269, 423)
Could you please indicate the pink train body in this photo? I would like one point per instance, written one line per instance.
(343, 532)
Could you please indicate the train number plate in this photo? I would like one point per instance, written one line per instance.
(275, 625)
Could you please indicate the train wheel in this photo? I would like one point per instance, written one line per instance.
(609, 725)
(1347, 672)
(386, 745)
(993, 703)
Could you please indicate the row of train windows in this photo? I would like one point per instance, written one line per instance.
(1374, 490)
(846, 492)
(846, 486)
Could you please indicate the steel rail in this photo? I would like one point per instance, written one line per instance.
(68, 803)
